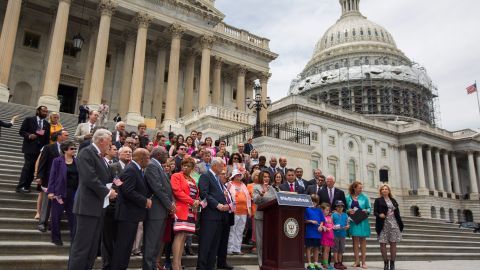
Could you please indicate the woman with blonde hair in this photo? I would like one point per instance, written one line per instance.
(357, 201)
(388, 224)
(55, 125)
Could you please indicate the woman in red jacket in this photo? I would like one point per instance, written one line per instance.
(186, 194)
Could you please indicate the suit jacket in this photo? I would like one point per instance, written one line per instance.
(286, 187)
(82, 130)
(211, 191)
(380, 207)
(93, 175)
(305, 183)
(143, 140)
(338, 194)
(312, 189)
(30, 126)
(49, 153)
(132, 199)
(4, 124)
(158, 185)
(58, 177)
(258, 199)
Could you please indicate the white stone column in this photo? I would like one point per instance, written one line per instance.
(404, 172)
(93, 26)
(438, 165)
(242, 70)
(127, 71)
(159, 89)
(176, 31)
(189, 78)
(431, 179)
(472, 176)
(446, 166)
(106, 8)
(264, 84)
(134, 115)
(456, 181)
(206, 42)
(7, 45)
(477, 157)
(421, 171)
(49, 96)
(217, 77)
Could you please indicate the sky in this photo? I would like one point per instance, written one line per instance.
(441, 35)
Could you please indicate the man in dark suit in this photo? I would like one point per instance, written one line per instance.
(131, 207)
(282, 166)
(162, 205)
(291, 184)
(299, 175)
(117, 133)
(272, 169)
(223, 246)
(93, 177)
(109, 231)
(318, 186)
(35, 131)
(212, 216)
(49, 152)
(331, 194)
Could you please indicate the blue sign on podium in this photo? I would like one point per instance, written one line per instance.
(293, 199)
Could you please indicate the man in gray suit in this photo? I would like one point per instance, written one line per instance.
(85, 130)
(162, 204)
(205, 165)
(93, 175)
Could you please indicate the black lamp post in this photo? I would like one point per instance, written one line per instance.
(257, 104)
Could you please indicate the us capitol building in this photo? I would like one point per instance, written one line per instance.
(372, 116)
(369, 110)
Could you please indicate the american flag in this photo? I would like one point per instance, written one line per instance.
(472, 89)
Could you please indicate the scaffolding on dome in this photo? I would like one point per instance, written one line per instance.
(377, 90)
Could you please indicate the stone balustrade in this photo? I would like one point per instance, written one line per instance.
(220, 112)
(242, 35)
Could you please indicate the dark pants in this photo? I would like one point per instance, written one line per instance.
(210, 234)
(222, 248)
(45, 210)
(153, 231)
(85, 243)
(109, 233)
(26, 177)
(126, 231)
(56, 216)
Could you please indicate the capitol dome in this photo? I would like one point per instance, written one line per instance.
(356, 65)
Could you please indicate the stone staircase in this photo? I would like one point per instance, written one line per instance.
(22, 246)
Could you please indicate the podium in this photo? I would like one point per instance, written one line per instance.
(283, 232)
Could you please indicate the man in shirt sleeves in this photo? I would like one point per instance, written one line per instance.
(93, 175)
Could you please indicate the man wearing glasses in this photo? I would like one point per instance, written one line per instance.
(181, 152)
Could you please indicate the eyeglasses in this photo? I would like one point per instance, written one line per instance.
(235, 158)
(182, 148)
(71, 148)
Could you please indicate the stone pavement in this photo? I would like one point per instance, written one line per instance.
(406, 265)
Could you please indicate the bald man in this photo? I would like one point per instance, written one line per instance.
(131, 208)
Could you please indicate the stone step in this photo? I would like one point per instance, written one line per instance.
(8, 151)
(15, 203)
(442, 236)
(17, 213)
(12, 194)
(28, 223)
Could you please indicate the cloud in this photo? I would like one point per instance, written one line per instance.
(440, 35)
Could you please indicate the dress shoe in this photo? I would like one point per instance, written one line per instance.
(58, 243)
(42, 228)
(22, 190)
(226, 266)
(189, 251)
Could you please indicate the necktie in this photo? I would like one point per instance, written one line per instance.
(218, 183)
(91, 128)
(40, 124)
(208, 166)
(292, 189)
(330, 196)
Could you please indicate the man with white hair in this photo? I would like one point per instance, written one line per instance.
(117, 133)
(93, 176)
(214, 214)
(330, 194)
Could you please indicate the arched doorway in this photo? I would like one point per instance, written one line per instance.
(442, 213)
(414, 211)
(22, 94)
(433, 211)
(450, 215)
(468, 215)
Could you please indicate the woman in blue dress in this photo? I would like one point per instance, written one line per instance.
(357, 201)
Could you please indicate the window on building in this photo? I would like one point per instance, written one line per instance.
(351, 171)
(331, 140)
(165, 77)
(234, 94)
(370, 149)
(369, 32)
(350, 145)
(337, 66)
(384, 152)
(31, 40)
(332, 167)
(370, 176)
(361, 32)
(108, 62)
(314, 136)
(69, 50)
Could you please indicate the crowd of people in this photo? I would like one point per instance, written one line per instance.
(126, 194)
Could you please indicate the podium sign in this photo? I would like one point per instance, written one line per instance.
(283, 232)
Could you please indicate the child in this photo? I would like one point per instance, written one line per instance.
(313, 219)
(340, 221)
(327, 234)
